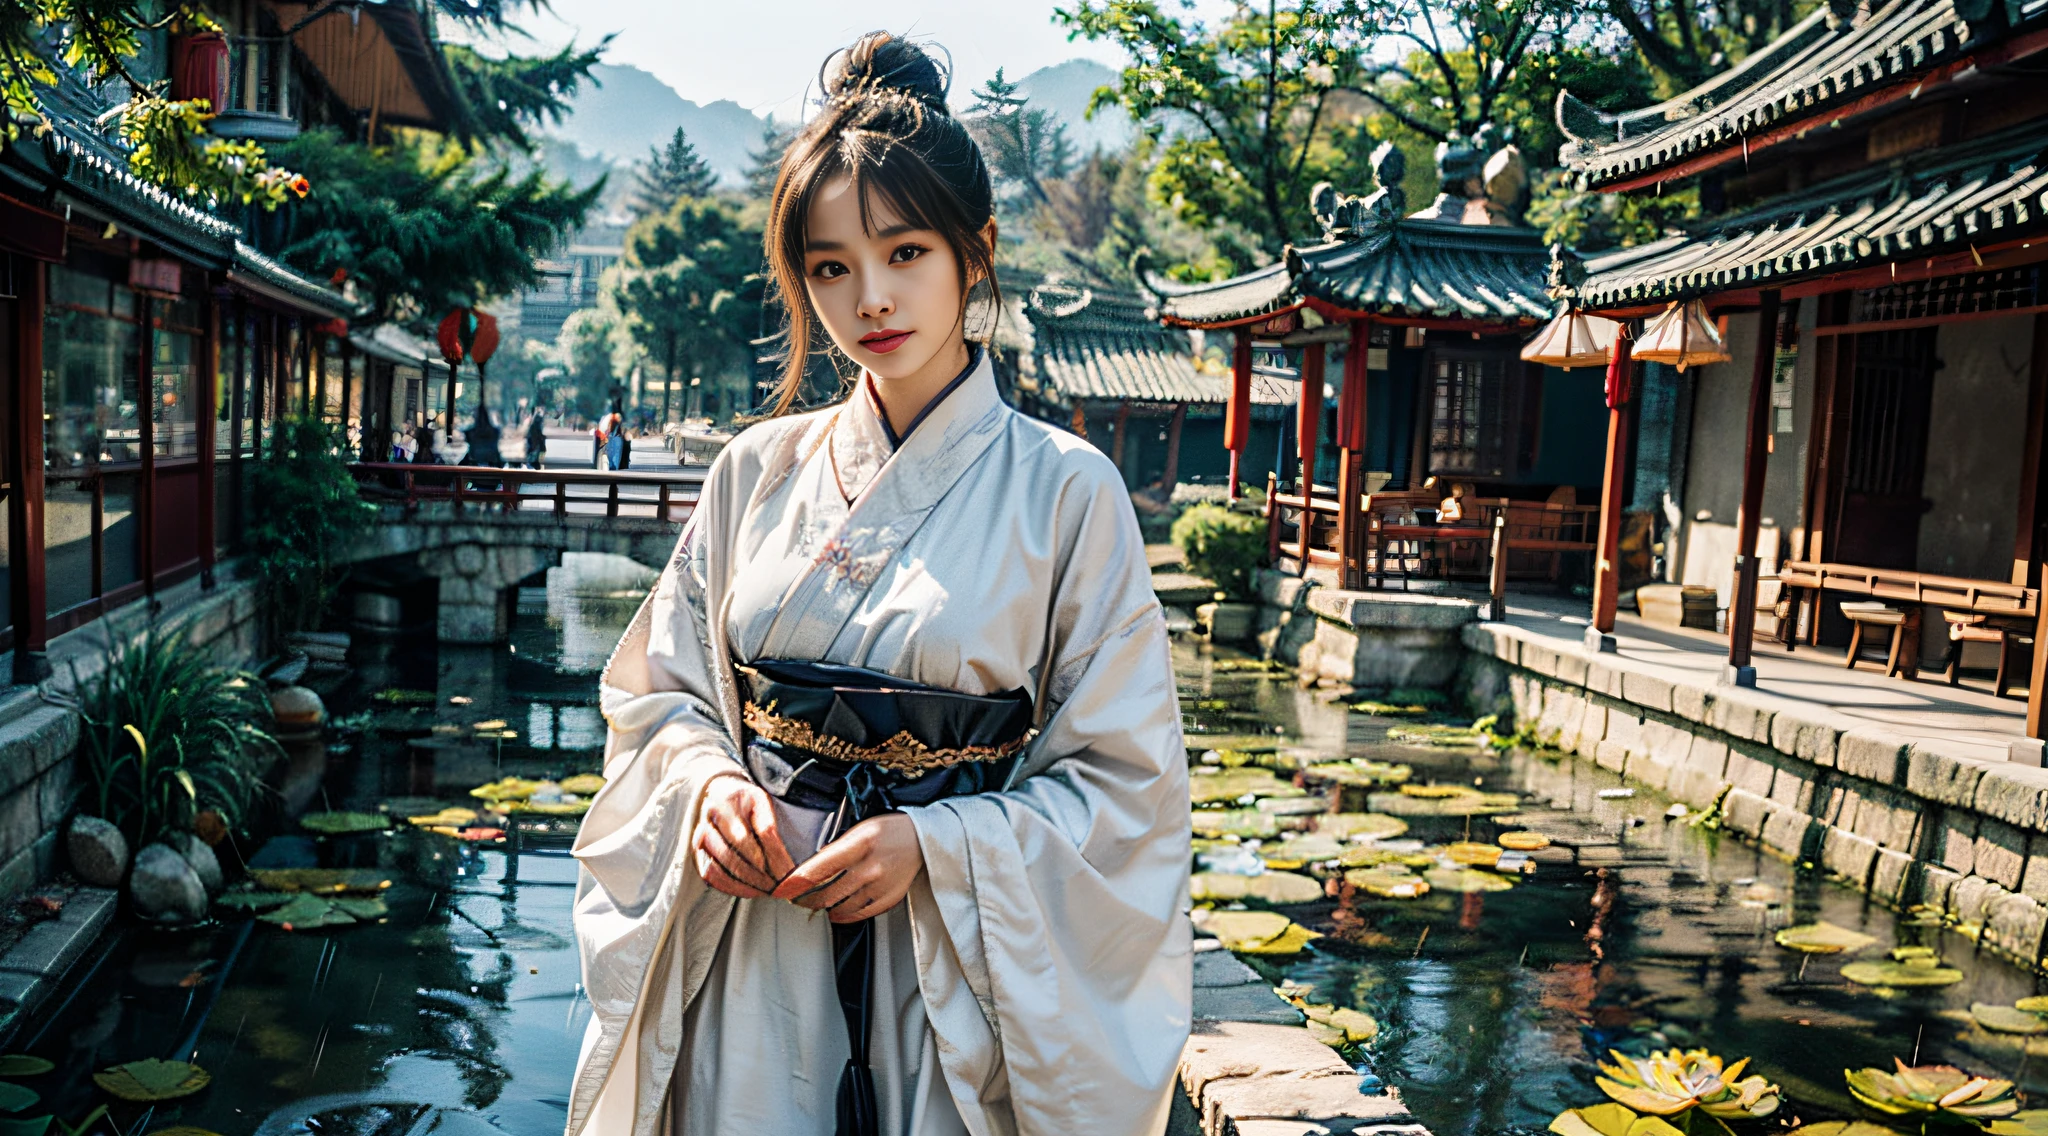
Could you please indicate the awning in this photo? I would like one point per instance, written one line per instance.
(261, 276)
(1955, 199)
(379, 58)
(395, 345)
(1812, 70)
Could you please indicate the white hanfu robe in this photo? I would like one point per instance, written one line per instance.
(1037, 979)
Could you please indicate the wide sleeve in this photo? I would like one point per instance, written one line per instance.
(1052, 935)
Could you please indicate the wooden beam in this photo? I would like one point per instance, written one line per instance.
(1826, 429)
(1607, 559)
(1349, 517)
(1308, 426)
(28, 600)
(1118, 433)
(1748, 517)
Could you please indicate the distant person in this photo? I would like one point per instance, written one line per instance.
(598, 438)
(618, 449)
(483, 437)
(423, 445)
(536, 440)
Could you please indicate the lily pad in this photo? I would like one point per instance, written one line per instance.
(1388, 882)
(2007, 1019)
(1434, 792)
(1523, 841)
(1242, 823)
(1473, 854)
(1291, 806)
(342, 824)
(1609, 1120)
(321, 879)
(307, 912)
(1258, 932)
(1218, 887)
(583, 784)
(1303, 849)
(2031, 1122)
(1437, 735)
(1856, 1128)
(251, 901)
(1900, 974)
(1823, 938)
(508, 789)
(1367, 856)
(1361, 826)
(453, 816)
(1465, 880)
(361, 907)
(2038, 1004)
(548, 808)
(1350, 1025)
(1908, 954)
(1284, 887)
(1207, 787)
(23, 1065)
(152, 1080)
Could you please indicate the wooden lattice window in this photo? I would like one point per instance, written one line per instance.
(1469, 431)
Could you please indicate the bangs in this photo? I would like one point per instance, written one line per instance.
(885, 171)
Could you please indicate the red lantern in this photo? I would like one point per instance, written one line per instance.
(483, 337)
(450, 334)
(1237, 413)
(199, 69)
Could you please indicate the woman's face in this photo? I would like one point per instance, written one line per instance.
(888, 294)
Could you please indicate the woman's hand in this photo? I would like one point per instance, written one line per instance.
(736, 845)
(862, 874)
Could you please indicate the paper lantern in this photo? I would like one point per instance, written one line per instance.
(1683, 337)
(1573, 339)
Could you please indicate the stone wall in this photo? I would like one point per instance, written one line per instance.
(1370, 640)
(39, 732)
(1908, 821)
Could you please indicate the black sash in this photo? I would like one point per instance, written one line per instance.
(859, 743)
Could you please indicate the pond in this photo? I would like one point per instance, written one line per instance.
(460, 1009)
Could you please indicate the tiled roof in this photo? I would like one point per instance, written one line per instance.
(1425, 268)
(1811, 69)
(1095, 344)
(253, 268)
(1260, 292)
(1992, 189)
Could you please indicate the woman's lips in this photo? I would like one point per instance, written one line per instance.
(884, 341)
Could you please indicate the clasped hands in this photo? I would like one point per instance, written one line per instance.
(864, 873)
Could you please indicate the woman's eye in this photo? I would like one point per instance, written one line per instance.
(829, 270)
(906, 254)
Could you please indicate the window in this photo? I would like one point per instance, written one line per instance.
(1469, 417)
(174, 377)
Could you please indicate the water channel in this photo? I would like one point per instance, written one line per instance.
(461, 1011)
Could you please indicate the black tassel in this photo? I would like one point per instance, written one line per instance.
(857, 1114)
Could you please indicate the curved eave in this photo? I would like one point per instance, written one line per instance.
(1241, 301)
(265, 278)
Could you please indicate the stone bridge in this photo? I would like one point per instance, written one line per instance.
(478, 535)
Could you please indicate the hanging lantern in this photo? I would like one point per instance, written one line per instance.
(1683, 337)
(1573, 339)
(483, 337)
(454, 328)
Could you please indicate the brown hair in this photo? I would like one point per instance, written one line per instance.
(884, 124)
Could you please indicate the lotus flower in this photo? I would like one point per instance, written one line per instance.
(1932, 1088)
(1670, 1081)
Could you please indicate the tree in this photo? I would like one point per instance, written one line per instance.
(419, 226)
(503, 98)
(1689, 41)
(690, 289)
(670, 173)
(765, 164)
(1026, 147)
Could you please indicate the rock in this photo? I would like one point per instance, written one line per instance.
(297, 710)
(207, 865)
(99, 853)
(164, 887)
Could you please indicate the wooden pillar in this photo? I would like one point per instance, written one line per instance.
(2028, 571)
(1607, 558)
(1117, 435)
(205, 412)
(1170, 476)
(145, 406)
(1309, 418)
(1748, 517)
(28, 602)
(1237, 413)
(1351, 452)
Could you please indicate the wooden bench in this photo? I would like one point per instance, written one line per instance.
(1807, 580)
(1904, 625)
(2012, 638)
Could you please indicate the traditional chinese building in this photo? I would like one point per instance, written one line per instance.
(1869, 269)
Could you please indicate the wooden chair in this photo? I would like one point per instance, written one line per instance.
(1903, 626)
(2014, 640)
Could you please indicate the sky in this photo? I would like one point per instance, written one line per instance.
(763, 54)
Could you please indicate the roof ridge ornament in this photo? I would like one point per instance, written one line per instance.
(1342, 215)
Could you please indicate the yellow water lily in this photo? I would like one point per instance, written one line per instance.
(1671, 1081)
(1932, 1088)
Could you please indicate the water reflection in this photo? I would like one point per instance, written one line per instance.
(1637, 932)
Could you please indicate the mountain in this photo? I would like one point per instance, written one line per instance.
(1065, 89)
(629, 110)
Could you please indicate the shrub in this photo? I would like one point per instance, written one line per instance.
(1222, 546)
(303, 509)
(169, 734)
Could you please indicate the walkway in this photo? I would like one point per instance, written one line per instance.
(1923, 709)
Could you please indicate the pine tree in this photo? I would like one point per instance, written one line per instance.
(767, 161)
(669, 174)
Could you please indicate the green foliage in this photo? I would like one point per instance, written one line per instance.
(766, 163)
(169, 143)
(421, 227)
(1221, 545)
(1595, 222)
(671, 173)
(1689, 42)
(305, 511)
(169, 734)
(691, 289)
(503, 98)
(1026, 147)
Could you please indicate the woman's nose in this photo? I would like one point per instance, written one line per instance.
(875, 305)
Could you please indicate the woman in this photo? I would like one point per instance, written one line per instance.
(895, 834)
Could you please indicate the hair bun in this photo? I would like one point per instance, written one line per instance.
(882, 61)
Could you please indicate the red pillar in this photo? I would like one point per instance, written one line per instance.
(207, 413)
(1237, 413)
(1607, 563)
(1755, 459)
(28, 605)
(1351, 448)
(1308, 425)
